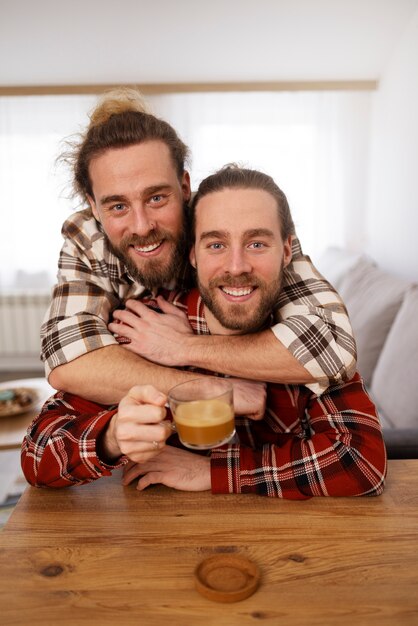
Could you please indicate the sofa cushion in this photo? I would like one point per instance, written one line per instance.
(395, 382)
(384, 421)
(373, 298)
(334, 264)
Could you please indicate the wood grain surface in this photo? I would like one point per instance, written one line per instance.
(105, 554)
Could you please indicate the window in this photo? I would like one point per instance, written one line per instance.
(314, 144)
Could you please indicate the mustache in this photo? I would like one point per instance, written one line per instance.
(244, 280)
(155, 236)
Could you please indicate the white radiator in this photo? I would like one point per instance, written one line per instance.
(21, 316)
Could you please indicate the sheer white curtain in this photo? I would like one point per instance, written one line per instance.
(315, 145)
(34, 193)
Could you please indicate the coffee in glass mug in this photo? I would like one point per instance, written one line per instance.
(203, 412)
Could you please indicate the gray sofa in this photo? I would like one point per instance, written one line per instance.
(383, 311)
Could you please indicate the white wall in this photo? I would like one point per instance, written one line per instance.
(392, 226)
(46, 42)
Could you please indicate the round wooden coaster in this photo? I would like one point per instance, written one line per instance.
(227, 577)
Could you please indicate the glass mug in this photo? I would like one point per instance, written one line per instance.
(203, 412)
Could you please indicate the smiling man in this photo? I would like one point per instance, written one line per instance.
(303, 446)
(239, 264)
(144, 225)
(129, 168)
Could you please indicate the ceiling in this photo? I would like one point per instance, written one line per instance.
(46, 42)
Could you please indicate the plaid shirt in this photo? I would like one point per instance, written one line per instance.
(306, 445)
(310, 321)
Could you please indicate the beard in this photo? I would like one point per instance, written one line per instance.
(153, 273)
(244, 317)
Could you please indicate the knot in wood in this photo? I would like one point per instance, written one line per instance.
(52, 570)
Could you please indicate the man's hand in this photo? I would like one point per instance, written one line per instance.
(154, 336)
(249, 398)
(160, 338)
(138, 430)
(172, 467)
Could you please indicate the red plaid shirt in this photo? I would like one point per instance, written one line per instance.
(306, 445)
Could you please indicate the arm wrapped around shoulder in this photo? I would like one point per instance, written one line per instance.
(313, 324)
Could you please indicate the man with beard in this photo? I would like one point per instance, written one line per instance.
(130, 168)
(306, 445)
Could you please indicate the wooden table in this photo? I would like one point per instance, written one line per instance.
(13, 428)
(105, 554)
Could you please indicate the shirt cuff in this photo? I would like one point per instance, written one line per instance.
(293, 344)
(225, 469)
(103, 468)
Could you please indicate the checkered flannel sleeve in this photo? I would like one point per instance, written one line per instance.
(313, 324)
(89, 288)
(343, 454)
(59, 449)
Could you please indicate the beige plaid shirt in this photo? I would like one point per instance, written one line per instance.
(311, 320)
